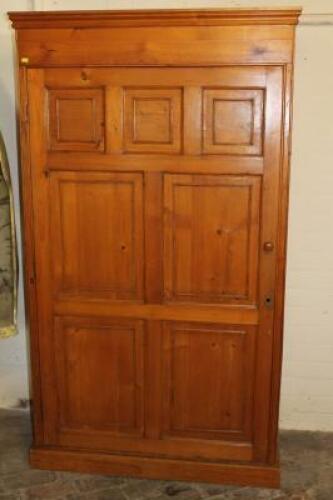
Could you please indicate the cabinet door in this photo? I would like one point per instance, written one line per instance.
(155, 197)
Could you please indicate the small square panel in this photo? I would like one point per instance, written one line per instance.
(152, 120)
(233, 121)
(76, 119)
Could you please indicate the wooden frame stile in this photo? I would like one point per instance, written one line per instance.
(242, 60)
(281, 261)
(31, 309)
(270, 201)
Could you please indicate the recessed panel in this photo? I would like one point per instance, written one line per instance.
(153, 120)
(76, 119)
(211, 238)
(97, 234)
(233, 121)
(100, 373)
(208, 386)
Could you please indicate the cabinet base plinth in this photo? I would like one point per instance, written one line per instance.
(154, 468)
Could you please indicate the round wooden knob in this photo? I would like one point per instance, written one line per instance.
(24, 60)
(268, 246)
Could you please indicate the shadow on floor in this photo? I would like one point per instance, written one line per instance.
(306, 457)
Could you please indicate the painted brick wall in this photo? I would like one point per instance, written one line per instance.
(307, 390)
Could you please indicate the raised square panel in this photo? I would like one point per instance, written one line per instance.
(76, 119)
(97, 234)
(233, 121)
(207, 377)
(211, 233)
(100, 369)
(153, 120)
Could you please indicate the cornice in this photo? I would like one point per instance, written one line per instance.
(141, 18)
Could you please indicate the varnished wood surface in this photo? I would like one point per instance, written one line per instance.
(229, 315)
(30, 294)
(146, 17)
(281, 265)
(152, 37)
(155, 222)
(44, 458)
(206, 250)
(209, 46)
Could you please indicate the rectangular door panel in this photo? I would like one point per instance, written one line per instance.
(211, 238)
(100, 366)
(97, 241)
(208, 380)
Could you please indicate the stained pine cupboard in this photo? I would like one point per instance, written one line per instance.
(154, 175)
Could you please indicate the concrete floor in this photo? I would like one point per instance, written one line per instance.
(307, 473)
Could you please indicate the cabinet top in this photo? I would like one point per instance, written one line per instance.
(176, 17)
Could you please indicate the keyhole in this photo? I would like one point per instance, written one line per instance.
(268, 301)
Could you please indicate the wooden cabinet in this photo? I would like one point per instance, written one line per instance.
(155, 150)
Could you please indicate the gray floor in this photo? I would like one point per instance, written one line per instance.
(307, 473)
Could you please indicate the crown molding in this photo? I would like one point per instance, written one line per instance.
(138, 18)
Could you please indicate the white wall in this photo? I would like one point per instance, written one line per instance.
(307, 395)
(13, 357)
(307, 386)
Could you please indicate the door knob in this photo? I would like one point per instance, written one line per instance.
(268, 246)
